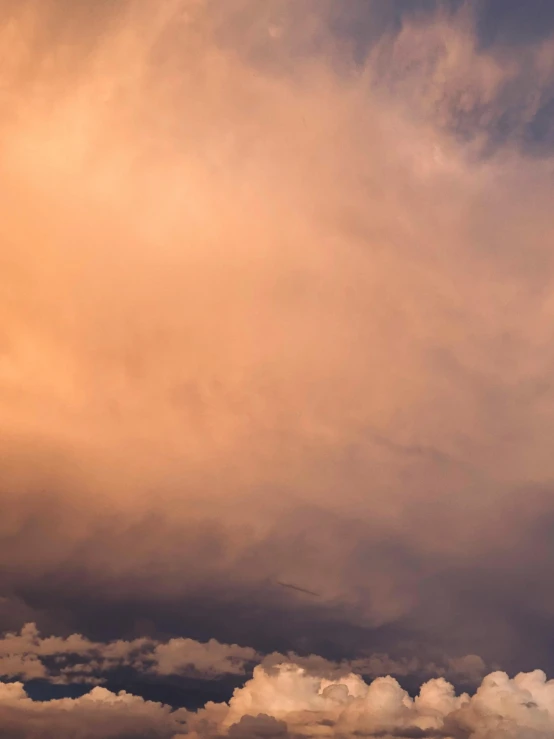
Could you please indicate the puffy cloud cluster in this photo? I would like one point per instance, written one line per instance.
(77, 659)
(315, 706)
(288, 701)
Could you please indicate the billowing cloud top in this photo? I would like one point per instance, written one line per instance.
(288, 701)
(276, 301)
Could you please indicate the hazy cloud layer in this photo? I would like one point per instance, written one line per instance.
(276, 309)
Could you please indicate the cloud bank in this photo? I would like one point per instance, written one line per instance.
(287, 701)
(76, 659)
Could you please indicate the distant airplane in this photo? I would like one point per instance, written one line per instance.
(297, 587)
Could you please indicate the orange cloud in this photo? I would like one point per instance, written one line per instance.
(262, 322)
(291, 702)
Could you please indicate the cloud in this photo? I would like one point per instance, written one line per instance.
(258, 726)
(481, 94)
(311, 706)
(291, 702)
(207, 659)
(468, 669)
(76, 659)
(98, 714)
(269, 313)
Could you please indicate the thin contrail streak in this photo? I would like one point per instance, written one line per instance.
(297, 587)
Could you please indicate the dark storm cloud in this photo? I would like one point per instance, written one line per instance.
(510, 22)
(269, 316)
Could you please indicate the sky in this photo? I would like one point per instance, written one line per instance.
(276, 361)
